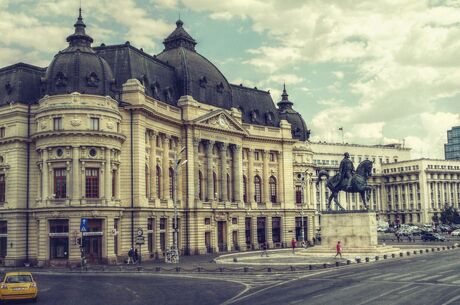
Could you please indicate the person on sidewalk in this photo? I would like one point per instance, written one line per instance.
(130, 256)
(264, 247)
(338, 249)
(136, 256)
(293, 244)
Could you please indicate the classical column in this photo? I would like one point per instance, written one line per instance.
(108, 175)
(280, 180)
(196, 144)
(266, 175)
(268, 230)
(323, 194)
(307, 191)
(250, 188)
(45, 173)
(209, 182)
(75, 174)
(165, 170)
(152, 164)
(223, 172)
(237, 172)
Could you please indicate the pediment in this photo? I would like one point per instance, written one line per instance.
(220, 119)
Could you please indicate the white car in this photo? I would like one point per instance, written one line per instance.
(455, 233)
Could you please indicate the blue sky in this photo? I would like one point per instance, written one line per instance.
(385, 71)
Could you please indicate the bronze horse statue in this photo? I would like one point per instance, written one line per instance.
(358, 184)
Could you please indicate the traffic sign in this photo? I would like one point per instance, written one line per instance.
(140, 232)
(140, 240)
(84, 225)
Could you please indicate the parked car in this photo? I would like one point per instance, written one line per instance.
(455, 232)
(18, 286)
(390, 230)
(432, 237)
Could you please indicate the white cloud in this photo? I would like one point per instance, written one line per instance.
(339, 74)
(288, 79)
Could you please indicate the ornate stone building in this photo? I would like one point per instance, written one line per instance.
(97, 133)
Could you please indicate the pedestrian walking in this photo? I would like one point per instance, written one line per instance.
(264, 247)
(293, 244)
(338, 249)
(130, 256)
(136, 256)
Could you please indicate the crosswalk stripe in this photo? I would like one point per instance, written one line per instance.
(446, 279)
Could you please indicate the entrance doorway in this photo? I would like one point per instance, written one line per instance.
(298, 228)
(207, 242)
(92, 242)
(222, 236)
(261, 229)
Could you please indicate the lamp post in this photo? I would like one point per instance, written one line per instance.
(301, 177)
(177, 164)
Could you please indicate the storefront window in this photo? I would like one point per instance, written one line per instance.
(59, 239)
(150, 234)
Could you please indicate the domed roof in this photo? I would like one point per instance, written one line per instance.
(286, 112)
(196, 76)
(78, 68)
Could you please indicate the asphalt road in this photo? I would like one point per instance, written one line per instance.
(424, 279)
(69, 289)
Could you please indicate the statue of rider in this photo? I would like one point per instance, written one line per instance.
(346, 170)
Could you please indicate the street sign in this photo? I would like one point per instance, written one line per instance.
(84, 225)
(140, 232)
(140, 240)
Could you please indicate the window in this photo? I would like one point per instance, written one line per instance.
(3, 238)
(207, 221)
(59, 238)
(257, 189)
(272, 157)
(229, 188)
(150, 234)
(272, 183)
(171, 183)
(276, 229)
(92, 182)
(214, 184)
(60, 183)
(57, 123)
(163, 234)
(158, 182)
(256, 156)
(298, 194)
(245, 189)
(2, 132)
(114, 183)
(2, 188)
(94, 123)
(234, 221)
(200, 185)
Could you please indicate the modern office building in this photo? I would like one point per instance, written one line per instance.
(452, 147)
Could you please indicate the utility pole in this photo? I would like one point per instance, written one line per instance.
(177, 164)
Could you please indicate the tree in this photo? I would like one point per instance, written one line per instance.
(450, 215)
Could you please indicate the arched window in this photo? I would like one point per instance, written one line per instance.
(272, 183)
(245, 189)
(257, 189)
(229, 188)
(158, 182)
(298, 194)
(171, 183)
(214, 185)
(200, 185)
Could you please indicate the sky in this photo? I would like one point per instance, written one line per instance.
(386, 71)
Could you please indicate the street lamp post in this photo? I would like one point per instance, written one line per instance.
(301, 177)
(177, 164)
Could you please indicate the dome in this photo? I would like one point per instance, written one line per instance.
(78, 68)
(196, 76)
(286, 112)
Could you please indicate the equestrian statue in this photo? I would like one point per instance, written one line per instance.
(349, 181)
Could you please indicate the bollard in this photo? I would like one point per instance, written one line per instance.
(292, 268)
(443, 248)
(393, 255)
(415, 252)
(376, 258)
(348, 262)
(337, 264)
(432, 249)
(246, 269)
(235, 260)
(324, 265)
(269, 269)
(367, 259)
(401, 254)
(439, 249)
(177, 269)
(427, 250)
(310, 267)
(221, 269)
(157, 269)
(384, 256)
(421, 251)
(358, 260)
(199, 269)
(408, 253)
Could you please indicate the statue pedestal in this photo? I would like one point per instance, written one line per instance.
(356, 231)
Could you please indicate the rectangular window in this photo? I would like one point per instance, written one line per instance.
(60, 183)
(234, 221)
(207, 221)
(298, 194)
(57, 123)
(114, 183)
(163, 234)
(3, 238)
(150, 234)
(92, 182)
(94, 123)
(59, 238)
(2, 132)
(256, 155)
(272, 157)
(2, 188)
(247, 229)
(276, 229)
